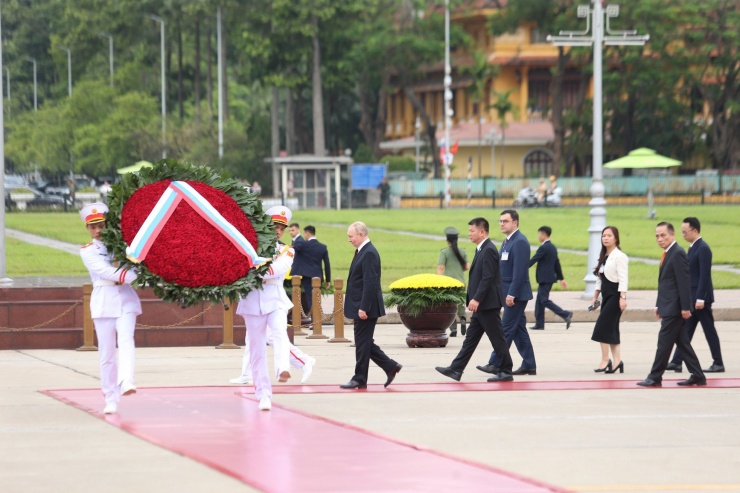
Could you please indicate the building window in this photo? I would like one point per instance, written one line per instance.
(536, 36)
(538, 163)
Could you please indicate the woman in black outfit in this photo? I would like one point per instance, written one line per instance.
(612, 271)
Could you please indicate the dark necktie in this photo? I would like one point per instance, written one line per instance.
(356, 250)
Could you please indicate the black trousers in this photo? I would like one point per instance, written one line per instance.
(672, 332)
(488, 322)
(706, 318)
(543, 301)
(307, 290)
(366, 350)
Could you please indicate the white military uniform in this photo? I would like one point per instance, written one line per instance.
(297, 358)
(263, 308)
(114, 306)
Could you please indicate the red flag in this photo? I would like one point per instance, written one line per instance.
(453, 149)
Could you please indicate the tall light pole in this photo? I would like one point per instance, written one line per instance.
(110, 54)
(7, 74)
(219, 56)
(417, 128)
(164, 91)
(3, 277)
(35, 100)
(448, 104)
(595, 37)
(69, 69)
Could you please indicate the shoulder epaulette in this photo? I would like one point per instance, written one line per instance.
(85, 246)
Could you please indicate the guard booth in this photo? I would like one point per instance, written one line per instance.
(314, 181)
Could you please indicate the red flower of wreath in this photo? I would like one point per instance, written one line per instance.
(190, 260)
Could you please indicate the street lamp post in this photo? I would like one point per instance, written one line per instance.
(164, 90)
(7, 75)
(220, 69)
(448, 104)
(3, 278)
(35, 100)
(110, 54)
(69, 69)
(417, 128)
(595, 38)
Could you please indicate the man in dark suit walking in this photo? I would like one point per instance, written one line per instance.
(702, 296)
(548, 273)
(485, 299)
(364, 304)
(515, 280)
(672, 307)
(309, 256)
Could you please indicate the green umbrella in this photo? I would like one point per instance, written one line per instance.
(134, 167)
(643, 158)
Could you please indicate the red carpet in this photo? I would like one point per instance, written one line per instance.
(222, 428)
(521, 383)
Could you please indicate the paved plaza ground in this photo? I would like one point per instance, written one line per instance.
(616, 438)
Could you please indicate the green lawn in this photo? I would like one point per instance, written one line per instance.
(404, 255)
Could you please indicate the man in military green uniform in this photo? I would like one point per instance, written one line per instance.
(453, 262)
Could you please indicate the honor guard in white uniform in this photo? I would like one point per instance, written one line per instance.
(265, 313)
(114, 306)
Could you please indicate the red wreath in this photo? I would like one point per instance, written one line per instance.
(189, 251)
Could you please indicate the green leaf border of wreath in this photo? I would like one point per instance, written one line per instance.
(171, 169)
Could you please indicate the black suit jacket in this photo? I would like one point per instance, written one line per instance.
(484, 283)
(674, 283)
(700, 270)
(363, 285)
(548, 264)
(308, 257)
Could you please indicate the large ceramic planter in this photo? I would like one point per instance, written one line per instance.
(429, 328)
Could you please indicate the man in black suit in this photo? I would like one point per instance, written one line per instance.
(702, 296)
(672, 308)
(295, 233)
(364, 304)
(485, 299)
(515, 280)
(548, 273)
(309, 255)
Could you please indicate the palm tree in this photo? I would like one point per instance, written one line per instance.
(503, 107)
(481, 71)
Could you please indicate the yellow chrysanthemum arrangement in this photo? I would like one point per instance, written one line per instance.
(422, 291)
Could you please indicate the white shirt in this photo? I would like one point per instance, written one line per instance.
(616, 269)
(272, 296)
(109, 301)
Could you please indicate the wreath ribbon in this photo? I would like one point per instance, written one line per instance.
(176, 192)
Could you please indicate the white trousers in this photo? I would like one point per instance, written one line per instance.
(295, 357)
(112, 372)
(257, 334)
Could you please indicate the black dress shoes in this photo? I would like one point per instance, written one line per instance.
(525, 371)
(674, 367)
(488, 369)
(353, 384)
(501, 377)
(568, 320)
(391, 375)
(649, 382)
(449, 372)
(715, 369)
(693, 380)
(536, 327)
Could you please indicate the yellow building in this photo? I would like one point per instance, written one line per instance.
(524, 60)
